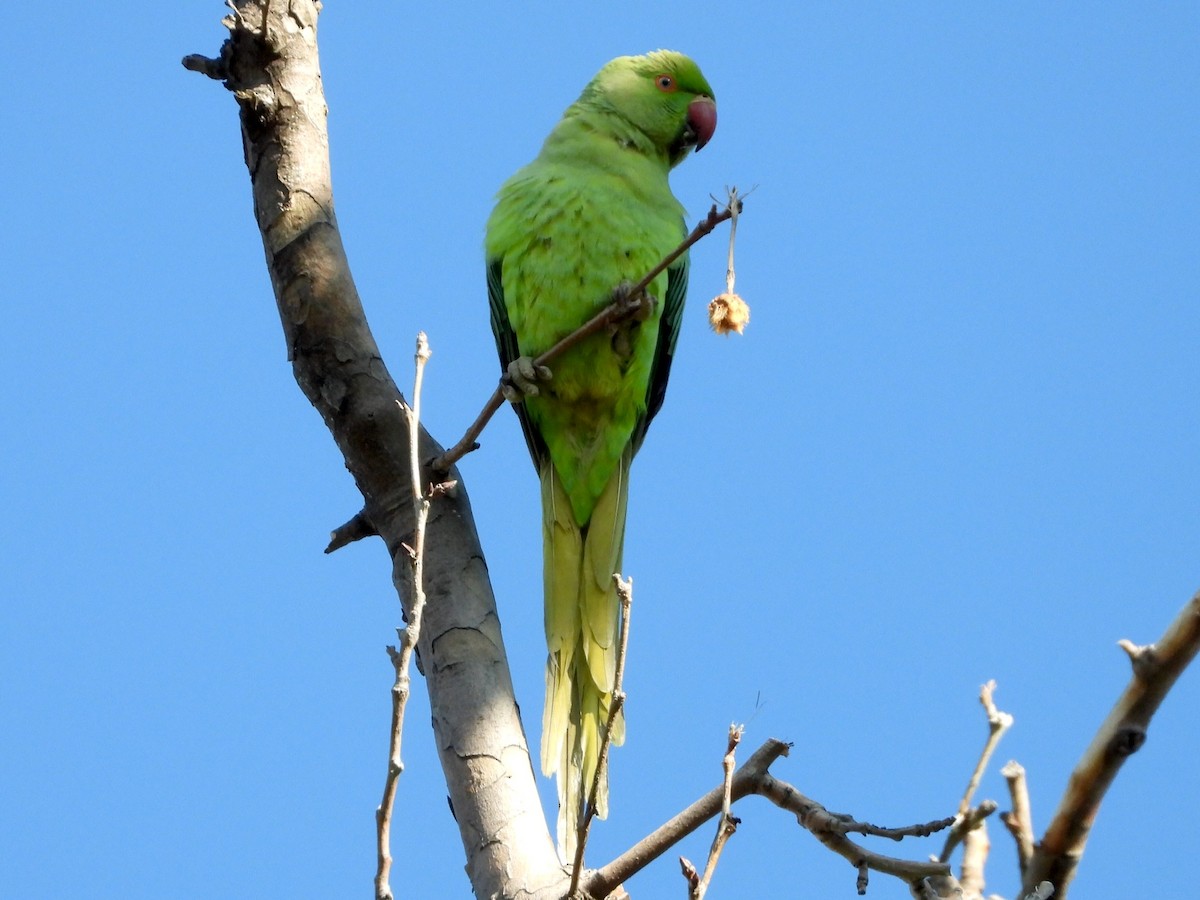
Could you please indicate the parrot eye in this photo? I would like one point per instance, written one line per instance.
(665, 83)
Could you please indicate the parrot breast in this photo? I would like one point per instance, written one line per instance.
(577, 236)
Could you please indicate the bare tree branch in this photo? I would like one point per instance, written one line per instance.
(998, 723)
(645, 851)
(409, 636)
(753, 777)
(971, 831)
(726, 825)
(356, 529)
(969, 820)
(1155, 669)
(963, 823)
(1019, 821)
(831, 830)
(270, 64)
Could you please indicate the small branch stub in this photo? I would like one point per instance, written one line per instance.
(1019, 821)
(1044, 891)
(359, 527)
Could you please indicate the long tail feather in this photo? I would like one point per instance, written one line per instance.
(582, 613)
(561, 559)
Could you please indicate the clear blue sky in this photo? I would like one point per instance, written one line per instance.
(958, 442)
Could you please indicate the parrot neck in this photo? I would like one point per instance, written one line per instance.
(587, 132)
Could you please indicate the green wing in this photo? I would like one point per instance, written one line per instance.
(506, 346)
(664, 350)
(660, 372)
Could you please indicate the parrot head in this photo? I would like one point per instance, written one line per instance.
(664, 95)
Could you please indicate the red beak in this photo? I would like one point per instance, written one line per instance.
(702, 119)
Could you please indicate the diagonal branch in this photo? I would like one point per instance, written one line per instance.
(970, 828)
(1155, 670)
(269, 63)
(753, 777)
(998, 723)
(1019, 821)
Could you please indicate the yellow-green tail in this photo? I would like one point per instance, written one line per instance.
(582, 621)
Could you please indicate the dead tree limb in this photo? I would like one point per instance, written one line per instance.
(753, 777)
(1155, 669)
(270, 64)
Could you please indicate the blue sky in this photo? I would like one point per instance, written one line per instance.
(958, 441)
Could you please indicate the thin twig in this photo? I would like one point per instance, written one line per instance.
(1019, 821)
(830, 830)
(848, 825)
(753, 777)
(625, 598)
(619, 310)
(726, 825)
(409, 635)
(998, 723)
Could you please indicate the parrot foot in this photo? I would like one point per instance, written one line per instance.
(641, 310)
(520, 379)
(631, 312)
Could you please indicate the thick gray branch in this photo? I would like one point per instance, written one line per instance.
(271, 66)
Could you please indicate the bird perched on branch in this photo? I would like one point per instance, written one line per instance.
(591, 213)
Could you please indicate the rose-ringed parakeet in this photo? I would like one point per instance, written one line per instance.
(592, 212)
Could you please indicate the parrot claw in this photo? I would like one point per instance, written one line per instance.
(520, 379)
(644, 309)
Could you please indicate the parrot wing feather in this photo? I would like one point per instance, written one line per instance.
(664, 350)
(509, 350)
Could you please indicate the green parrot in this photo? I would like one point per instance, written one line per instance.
(592, 212)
